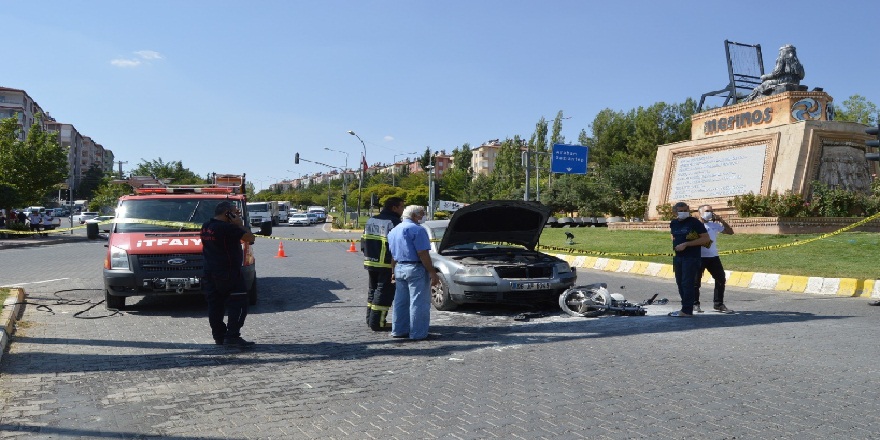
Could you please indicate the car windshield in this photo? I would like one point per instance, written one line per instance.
(196, 211)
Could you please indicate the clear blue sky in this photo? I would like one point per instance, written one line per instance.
(239, 86)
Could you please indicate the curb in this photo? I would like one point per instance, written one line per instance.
(846, 287)
(12, 309)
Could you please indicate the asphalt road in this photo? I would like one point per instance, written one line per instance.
(785, 366)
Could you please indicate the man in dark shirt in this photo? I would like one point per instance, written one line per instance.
(224, 286)
(688, 234)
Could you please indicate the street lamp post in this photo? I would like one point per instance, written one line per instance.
(344, 193)
(430, 169)
(394, 166)
(361, 183)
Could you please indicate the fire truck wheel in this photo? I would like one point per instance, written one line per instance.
(252, 293)
(113, 302)
(266, 228)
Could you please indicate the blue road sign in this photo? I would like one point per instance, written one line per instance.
(569, 159)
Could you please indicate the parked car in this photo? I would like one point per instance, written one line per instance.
(105, 222)
(299, 219)
(87, 215)
(486, 254)
(314, 217)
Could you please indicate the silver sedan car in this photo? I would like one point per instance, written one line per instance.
(486, 254)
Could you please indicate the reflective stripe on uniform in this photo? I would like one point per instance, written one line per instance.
(370, 242)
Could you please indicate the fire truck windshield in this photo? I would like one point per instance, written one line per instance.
(188, 210)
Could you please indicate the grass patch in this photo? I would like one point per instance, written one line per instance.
(4, 293)
(846, 255)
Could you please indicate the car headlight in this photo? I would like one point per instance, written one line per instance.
(118, 258)
(474, 271)
(563, 268)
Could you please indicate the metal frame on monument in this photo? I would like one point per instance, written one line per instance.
(745, 65)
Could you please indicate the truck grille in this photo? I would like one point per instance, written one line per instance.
(159, 262)
(524, 272)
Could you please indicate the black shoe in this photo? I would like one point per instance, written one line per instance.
(430, 337)
(238, 342)
(874, 303)
(218, 341)
(405, 335)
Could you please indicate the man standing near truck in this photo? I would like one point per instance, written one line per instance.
(377, 261)
(224, 285)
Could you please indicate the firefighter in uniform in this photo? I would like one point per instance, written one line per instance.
(377, 261)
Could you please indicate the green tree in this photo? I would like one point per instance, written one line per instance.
(425, 160)
(456, 180)
(34, 167)
(173, 170)
(857, 109)
(509, 175)
(92, 179)
(107, 196)
(481, 188)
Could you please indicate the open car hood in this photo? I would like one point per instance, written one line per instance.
(510, 221)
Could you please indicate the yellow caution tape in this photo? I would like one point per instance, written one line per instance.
(564, 250)
(571, 251)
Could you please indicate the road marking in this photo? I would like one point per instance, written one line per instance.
(37, 282)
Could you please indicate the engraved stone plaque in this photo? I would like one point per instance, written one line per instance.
(723, 173)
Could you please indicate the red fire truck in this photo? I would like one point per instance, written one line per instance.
(154, 246)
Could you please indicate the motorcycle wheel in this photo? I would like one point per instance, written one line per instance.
(582, 301)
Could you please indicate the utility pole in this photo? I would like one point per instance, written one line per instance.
(119, 162)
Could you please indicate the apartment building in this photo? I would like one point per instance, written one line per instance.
(483, 157)
(82, 151)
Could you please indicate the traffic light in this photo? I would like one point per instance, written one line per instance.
(874, 143)
(296, 158)
(436, 191)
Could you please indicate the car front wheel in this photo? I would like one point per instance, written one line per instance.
(440, 296)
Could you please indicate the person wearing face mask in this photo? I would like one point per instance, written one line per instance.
(710, 260)
(413, 276)
(688, 235)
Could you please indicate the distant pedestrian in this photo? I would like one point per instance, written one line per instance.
(710, 260)
(46, 222)
(377, 261)
(688, 234)
(224, 285)
(36, 220)
(413, 275)
(22, 217)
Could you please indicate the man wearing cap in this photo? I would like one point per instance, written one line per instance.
(224, 285)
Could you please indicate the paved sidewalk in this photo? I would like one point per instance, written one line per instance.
(30, 240)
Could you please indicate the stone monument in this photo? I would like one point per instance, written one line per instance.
(782, 137)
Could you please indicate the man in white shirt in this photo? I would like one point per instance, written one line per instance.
(710, 260)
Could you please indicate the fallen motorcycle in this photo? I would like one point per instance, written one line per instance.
(595, 300)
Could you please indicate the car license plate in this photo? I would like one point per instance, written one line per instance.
(529, 286)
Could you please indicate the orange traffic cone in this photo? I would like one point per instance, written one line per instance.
(281, 251)
(351, 248)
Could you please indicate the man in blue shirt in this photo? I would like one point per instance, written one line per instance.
(224, 286)
(688, 234)
(413, 275)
